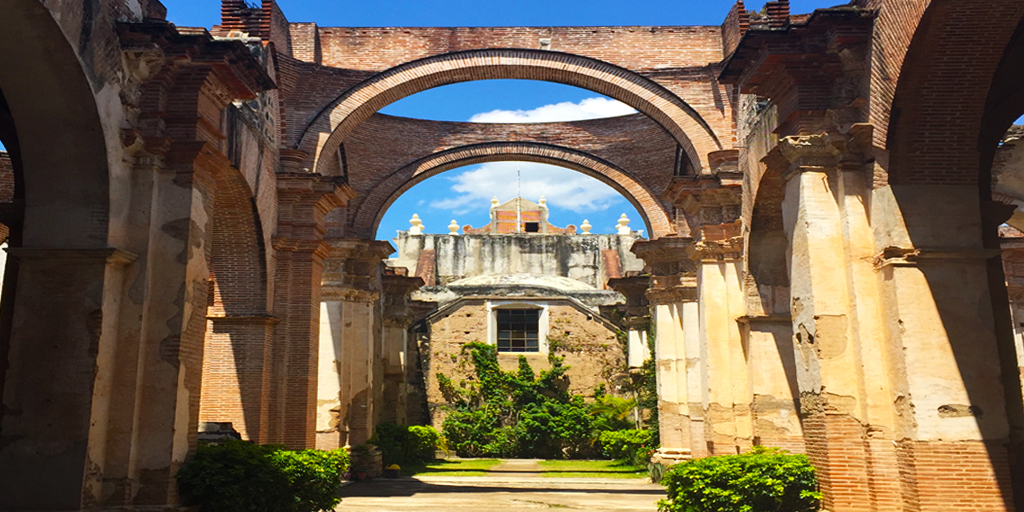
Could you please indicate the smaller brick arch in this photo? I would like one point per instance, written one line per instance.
(370, 212)
(357, 104)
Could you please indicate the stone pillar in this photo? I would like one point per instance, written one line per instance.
(396, 357)
(953, 424)
(678, 354)
(350, 388)
(54, 431)
(173, 320)
(304, 200)
(775, 406)
(175, 90)
(829, 373)
(844, 366)
(726, 395)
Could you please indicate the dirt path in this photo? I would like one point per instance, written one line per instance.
(505, 492)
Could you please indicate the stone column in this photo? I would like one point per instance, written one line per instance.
(304, 200)
(953, 412)
(352, 385)
(726, 395)
(396, 357)
(678, 354)
(843, 367)
(54, 429)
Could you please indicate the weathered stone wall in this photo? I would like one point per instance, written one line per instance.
(592, 351)
(577, 257)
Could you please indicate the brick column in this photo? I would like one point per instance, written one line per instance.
(304, 200)
(677, 350)
(352, 386)
(54, 429)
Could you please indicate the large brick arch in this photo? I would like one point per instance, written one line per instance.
(692, 132)
(940, 104)
(368, 216)
(60, 148)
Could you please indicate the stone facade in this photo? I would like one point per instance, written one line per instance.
(189, 215)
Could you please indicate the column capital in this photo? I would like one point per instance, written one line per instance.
(665, 255)
(719, 242)
(672, 289)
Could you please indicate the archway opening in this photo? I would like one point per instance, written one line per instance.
(507, 101)
(464, 195)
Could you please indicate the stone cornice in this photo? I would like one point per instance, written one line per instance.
(671, 289)
(913, 256)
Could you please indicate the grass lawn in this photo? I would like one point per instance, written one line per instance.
(590, 469)
(459, 467)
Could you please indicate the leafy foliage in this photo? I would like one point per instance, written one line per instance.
(238, 476)
(763, 480)
(400, 444)
(520, 413)
(632, 445)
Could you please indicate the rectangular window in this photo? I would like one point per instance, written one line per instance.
(517, 330)
(533, 227)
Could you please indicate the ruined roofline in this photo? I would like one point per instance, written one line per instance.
(499, 27)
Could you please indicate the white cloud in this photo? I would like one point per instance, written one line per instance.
(589, 108)
(561, 187)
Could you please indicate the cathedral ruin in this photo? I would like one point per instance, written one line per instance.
(830, 205)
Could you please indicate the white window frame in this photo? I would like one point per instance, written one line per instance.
(542, 323)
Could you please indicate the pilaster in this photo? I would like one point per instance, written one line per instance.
(678, 352)
(350, 385)
(55, 429)
(726, 396)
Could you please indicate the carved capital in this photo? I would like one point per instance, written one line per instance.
(672, 289)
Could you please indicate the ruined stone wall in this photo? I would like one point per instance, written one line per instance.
(577, 257)
(591, 350)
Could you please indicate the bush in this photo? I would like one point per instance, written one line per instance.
(763, 480)
(402, 445)
(238, 476)
(423, 442)
(632, 445)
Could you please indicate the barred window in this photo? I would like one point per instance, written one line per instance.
(517, 330)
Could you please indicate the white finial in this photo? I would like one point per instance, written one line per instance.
(494, 202)
(453, 228)
(417, 225)
(586, 227)
(542, 202)
(623, 226)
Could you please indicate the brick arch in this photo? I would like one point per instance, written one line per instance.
(940, 106)
(370, 212)
(690, 130)
(239, 328)
(238, 267)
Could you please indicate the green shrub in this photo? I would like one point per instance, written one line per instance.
(399, 444)
(313, 476)
(631, 445)
(763, 480)
(238, 476)
(424, 442)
